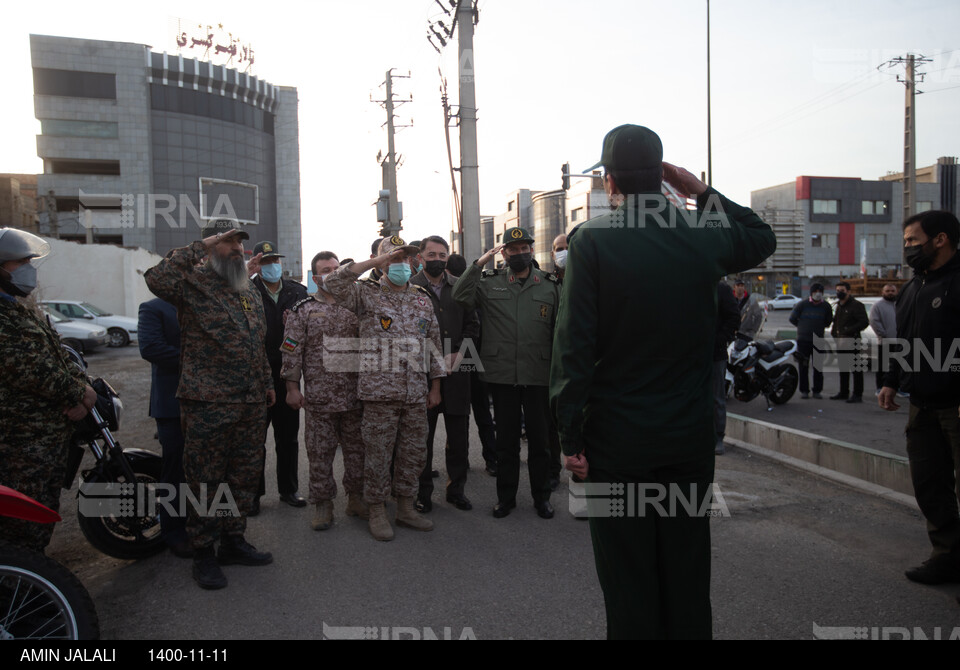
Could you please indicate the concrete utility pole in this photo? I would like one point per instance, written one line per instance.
(393, 223)
(709, 137)
(469, 163)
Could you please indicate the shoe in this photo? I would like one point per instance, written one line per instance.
(407, 516)
(854, 398)
(323, 517)
(378, 524)
(804, 396)
(719, 449)
(839, 396)
(460, 501)
(491, 469)
(234, 550)
(554, 483)
(817, 396)
(501, 510)
(942, 569)
(294, 499)
(255, 509)
(544, 509)
(901, 394)
(206, 570)
(423, 505)
(356, 507)
(182, 549)
(434, 474)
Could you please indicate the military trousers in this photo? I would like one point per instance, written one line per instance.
(323, 431)
(933, 447)
(653, 562)
(397, 430)
(223, 444)
(508, 402)
(37, 469)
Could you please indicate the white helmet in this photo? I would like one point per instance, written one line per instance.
(16, 244)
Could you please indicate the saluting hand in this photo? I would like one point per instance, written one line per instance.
(487, 257)
(253, 265)
(213, 240)
(683, 180)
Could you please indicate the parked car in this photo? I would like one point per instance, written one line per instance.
(121, 329)
(780, 302)
(79, 335)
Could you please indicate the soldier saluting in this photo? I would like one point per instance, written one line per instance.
(226, 386)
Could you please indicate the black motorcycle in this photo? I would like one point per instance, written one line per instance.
(118, 526)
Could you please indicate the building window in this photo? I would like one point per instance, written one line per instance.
(873, 207)
(62, 128)
(576, 214)
(510, 206)
(924, 206)
(826, 206)
(877, 241)
(74, 84)
(111, 168)
(824, 240)
(499, 237)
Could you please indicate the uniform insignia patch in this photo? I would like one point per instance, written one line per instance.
(289, 344)
(536, 279)
(245, 303)
(267, 247)
(513, 278)
(516, 234)
(936, 302)
(544, 311)
(422, 302)
(423, 325)
(385, 322)
(397, 241)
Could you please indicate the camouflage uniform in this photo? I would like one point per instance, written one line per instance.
(224, 379)
(333, 411)
(37, 383)
(392, 386)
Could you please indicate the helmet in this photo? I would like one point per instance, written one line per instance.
(16, 244)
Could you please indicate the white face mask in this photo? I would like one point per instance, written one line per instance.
(817, 297)
(560, 259)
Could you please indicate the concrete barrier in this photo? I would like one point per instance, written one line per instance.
(875, 467)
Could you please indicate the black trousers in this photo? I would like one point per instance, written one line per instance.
(933, 447)
(286, 426)
(480, 401)
(456, 451)
(508, 402)
(173, 528)
(804, 352)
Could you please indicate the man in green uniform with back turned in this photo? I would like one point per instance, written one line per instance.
(630, 379)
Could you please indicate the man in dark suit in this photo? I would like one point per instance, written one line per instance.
(279, 296)
(158, 332)
(458, 328)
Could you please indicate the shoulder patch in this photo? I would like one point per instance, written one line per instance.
(302, 302)
(490, 273)
(550, 276)
(419, 289)
(369, 281)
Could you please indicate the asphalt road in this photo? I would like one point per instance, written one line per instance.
(796, 554)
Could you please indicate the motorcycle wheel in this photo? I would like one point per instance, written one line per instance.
(127, 537)
(42, 600)
(787, 387)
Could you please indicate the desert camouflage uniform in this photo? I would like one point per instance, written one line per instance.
(37, 383)
(224, 379)
(393, 386)
(333, 411)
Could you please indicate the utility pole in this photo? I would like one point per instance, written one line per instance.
(394, 215)
(469, 162)
(709, 140)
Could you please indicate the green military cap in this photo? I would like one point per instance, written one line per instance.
(630, 149)
(516, 234)
(222, 226)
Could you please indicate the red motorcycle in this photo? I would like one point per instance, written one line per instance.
(39, 598)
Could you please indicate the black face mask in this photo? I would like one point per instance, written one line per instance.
(841, 295)
(918, 258)
(434, 268)
(891, 298)
(519, 262)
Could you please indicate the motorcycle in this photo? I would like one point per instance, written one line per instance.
(112, 521)
(39, 598)
(757, 367)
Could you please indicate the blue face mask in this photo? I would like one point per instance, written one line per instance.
(399, 273)
(272, 272)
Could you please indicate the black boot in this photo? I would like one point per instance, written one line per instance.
(235, 550)
(206, 570)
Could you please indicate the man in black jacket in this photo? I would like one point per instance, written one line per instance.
(850, 319)
(279, 296)
(810, 317)
(728, 319)
(928, 318)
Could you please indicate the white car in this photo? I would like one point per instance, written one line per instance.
(81, 336)
(781, 302)
(121, 329)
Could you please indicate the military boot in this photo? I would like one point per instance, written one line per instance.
(379, 526)
(234, 550)
(407, 515)
(356, 506)
(206, 570)
(323, 517)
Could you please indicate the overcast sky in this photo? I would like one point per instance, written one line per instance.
(795, 90)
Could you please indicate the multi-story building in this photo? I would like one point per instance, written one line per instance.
(142, 148)
(18, 201)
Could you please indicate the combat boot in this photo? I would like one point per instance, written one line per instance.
(407, 515)
(323, 517)
(236, 550)
(356, 506)
(379, 526)
(206, 570)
